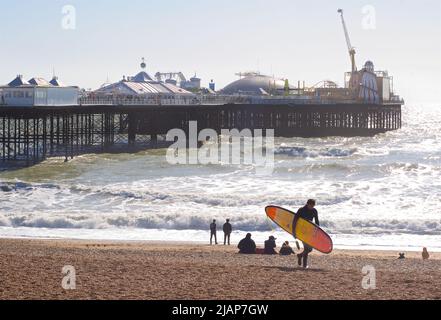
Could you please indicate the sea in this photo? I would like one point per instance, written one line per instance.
(381, 192)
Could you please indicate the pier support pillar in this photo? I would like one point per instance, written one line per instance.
(131, 128)
(154, 139)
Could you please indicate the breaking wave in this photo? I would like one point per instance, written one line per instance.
(301, 152)
(244, 222)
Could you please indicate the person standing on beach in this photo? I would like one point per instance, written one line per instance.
(309, 213)
(213, 232)
(227, 231)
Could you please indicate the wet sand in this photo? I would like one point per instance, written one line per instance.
(32, 269)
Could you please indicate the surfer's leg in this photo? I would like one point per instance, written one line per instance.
(305, 259)
(225, 239)
(299, 259)
(300, 256)
(306, 252)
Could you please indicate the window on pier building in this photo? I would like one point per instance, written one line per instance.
(40, 94)
(18, 94)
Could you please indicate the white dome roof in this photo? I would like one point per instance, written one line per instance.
(254, 85)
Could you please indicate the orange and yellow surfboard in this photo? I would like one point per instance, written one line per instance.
(301, 229)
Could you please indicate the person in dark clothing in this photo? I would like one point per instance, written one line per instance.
(213, 232)
(309, 213)
(270, 244)
(286, 249)
(247, 245)
(227, 231)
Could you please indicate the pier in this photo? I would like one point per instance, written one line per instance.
(29, 135)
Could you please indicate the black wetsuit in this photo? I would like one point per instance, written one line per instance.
(310, 215)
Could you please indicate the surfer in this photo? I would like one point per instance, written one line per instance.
(247, 245)
(309, 213)
(227, 231)
(213, 232)
(270, 244)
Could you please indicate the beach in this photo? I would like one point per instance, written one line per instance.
(32, 269)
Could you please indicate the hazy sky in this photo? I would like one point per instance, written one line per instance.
(298, 40)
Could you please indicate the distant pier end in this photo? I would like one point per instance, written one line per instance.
(31, 134)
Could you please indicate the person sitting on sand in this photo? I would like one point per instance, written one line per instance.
(247, 245)
(270, 244)
(286, 249)
(308, 213)
(213, 232)
(227, 232)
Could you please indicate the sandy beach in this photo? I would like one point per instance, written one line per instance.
(32, 269)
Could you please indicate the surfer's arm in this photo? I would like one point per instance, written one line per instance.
(317, 222)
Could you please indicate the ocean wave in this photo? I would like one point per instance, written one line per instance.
(409, 168)
(301, 152)
(244, 222)
(181, 197)
(193, 191)
(385, 226)
(210, 200)
(24, 186)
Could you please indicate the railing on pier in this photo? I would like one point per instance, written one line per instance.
(219, 99)
(99, 101)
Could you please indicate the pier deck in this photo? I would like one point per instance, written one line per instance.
(31, 134)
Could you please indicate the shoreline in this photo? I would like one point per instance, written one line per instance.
(234, 242)
(32, 269)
